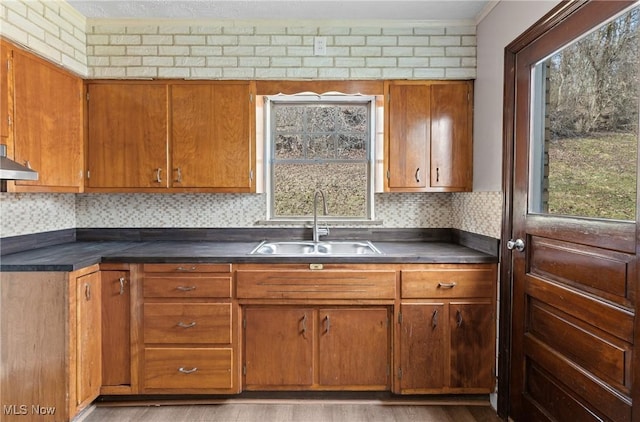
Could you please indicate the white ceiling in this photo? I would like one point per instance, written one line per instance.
(349, 10)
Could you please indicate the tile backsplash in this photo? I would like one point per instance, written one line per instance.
(22, 213)
(27, 213)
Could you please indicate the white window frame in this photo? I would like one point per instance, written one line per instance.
(371, 147)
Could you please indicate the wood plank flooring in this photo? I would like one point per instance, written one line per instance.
(301, 411)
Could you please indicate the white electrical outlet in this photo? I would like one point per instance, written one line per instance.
(320, 46)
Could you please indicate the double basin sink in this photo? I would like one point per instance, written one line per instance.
(305, 248)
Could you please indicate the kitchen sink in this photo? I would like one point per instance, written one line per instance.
(303, 248)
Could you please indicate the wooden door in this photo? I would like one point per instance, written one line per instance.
(424, 349)
(127, 124)
(211, 136)
(451, 164)
(574, 278)
(89, 345)
(278, 343)
(354, 348)
(48, 123)
(409, 132)
(116, 328)
(472, 327)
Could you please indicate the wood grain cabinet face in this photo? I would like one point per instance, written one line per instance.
(116, 328)
(175, 136)
(6, 81)
(446, 330)
(188, 337)
(48, 124)
(428, 144)
(353, 348)
(89, 339)
(210, 136)
(127, 124)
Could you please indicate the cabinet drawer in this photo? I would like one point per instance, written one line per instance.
(186, 287)
(321, 284)
(448, 283)
(187, 323)
(187, 268)
(188, 368)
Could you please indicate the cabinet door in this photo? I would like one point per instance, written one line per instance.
(409, 136)
(278, 348)
(127, 135)
(472, 345)
(451, 144)
(6, 81)
(88, 341)
(423, 347)
(48, 123)
(116, 328)
(354, 348)
(211, 142)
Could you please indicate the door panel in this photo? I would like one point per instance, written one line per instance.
(573, 286)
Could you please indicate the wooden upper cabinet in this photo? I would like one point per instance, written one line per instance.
(6, 80)
(48, 124)
(428, 143)
(127, 135)
(451, 136)
(211, 136)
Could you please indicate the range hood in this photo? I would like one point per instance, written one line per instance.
(10, 170)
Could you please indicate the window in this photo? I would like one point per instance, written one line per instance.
(585, 124)
(320, 142)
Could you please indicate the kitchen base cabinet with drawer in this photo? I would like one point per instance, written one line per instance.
(316, 327)
(307, 348)
(446, 330)
(188, 325)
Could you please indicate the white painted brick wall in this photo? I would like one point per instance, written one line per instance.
(161, 50)
(50, 28)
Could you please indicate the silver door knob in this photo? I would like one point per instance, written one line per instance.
(517, 244)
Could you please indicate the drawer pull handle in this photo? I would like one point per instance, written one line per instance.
(187, 371)
(192, 268)
(327, 324)
(459, 318)
(185, 325)
(451, 285)
(434, 319)
(186, 288)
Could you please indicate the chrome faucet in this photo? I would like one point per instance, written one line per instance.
(319, 231)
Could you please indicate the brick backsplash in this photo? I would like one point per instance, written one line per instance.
(219, 50)
(50, 28)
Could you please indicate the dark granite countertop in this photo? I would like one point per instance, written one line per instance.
(72, 256)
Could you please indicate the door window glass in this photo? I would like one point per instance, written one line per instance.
(584, 127)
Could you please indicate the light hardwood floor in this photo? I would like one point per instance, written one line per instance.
(305, 411)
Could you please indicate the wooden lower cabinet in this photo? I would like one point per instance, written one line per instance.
(312, 348)
(88, 338)
(188, 329)
(446, 330)
(446, 347)
(116, 329)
